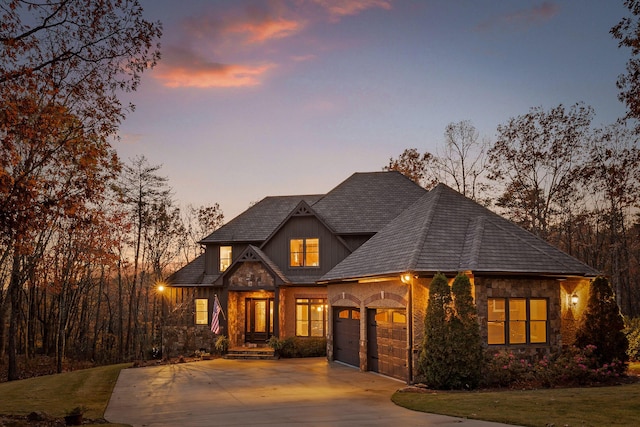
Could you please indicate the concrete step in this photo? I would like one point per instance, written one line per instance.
(246, 353)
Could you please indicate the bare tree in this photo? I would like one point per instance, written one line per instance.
(462, 162)
(198, 223)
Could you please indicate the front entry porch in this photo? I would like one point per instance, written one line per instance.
(252, 316)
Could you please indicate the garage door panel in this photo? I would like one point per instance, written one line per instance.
(346, 335)
(387, 342)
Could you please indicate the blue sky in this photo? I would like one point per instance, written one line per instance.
(257, 98)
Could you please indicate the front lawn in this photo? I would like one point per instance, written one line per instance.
(590, 406)
(57, 394)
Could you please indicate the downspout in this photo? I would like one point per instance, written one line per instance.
(410, 315)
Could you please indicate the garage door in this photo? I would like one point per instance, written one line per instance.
(346, 335)
(387, 342)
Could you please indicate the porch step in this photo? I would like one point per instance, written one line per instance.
(250, 353)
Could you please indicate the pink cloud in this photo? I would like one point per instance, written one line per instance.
(339, 8)
(251, 25)
(262, 31)
(523, 18)
(180, 68)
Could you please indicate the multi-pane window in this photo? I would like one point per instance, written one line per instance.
(304, 252)
(311, 317)
(225, 257)
(517, 320)
(202, 311)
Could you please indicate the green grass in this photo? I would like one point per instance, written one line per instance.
(593, 406)
(58, 394)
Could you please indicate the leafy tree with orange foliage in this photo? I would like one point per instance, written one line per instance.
(62, 65)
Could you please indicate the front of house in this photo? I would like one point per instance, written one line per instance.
(354, 266)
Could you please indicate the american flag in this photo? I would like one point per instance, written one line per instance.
(215, 321)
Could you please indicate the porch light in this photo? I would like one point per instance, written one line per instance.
(160, 288)
(574, 299)
(406, 278)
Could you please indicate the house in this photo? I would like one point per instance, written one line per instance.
(354, 266)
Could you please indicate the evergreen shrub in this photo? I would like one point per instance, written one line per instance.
(602, 325)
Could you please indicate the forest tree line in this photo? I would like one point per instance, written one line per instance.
(551, 172)
(85, 236)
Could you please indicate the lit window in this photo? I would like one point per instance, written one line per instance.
(390, 315)
(225, 257)
(304, 252)
(517, 321)
(311, 317)
(202, 312)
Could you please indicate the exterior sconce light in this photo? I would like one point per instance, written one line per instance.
(574, 299)
(160, 288)
(406, 278)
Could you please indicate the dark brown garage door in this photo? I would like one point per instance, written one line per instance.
(346, 335)
(387, 342)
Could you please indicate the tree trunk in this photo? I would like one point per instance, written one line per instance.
(14, 296)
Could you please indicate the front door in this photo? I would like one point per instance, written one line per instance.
(258, 320)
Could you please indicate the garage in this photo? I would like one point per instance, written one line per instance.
(346, 335)
(387, 342)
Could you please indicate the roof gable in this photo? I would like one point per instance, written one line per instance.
(254, 254)
(445, 231)
(258, 222)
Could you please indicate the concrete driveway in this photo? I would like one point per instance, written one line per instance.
(310, 392)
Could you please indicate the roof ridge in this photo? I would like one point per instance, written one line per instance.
(426, 225)
(477, 224)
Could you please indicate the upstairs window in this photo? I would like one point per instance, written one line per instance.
(304, 252)
(202, 311)
(517, 321)
(225, 257)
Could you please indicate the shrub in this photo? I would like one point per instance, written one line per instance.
(299, 346)
(222, 344)
(434, 361)
(572, 367)
(632, 331)
(603, 325)
(467, 355)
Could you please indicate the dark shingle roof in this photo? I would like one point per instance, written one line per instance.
(445, 231)
(366, 202)
(192, 274)
(258, 222)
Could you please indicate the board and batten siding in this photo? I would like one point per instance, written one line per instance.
(332, 250)
(212, 255)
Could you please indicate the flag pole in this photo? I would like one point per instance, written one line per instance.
(220, 305)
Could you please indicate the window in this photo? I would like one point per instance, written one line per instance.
(225, 257)
(304, 252)
(202, 312)
(517, 321)
(311, 317)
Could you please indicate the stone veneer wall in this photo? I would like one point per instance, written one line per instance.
(251, 275)
(185, 340)
(572, 313)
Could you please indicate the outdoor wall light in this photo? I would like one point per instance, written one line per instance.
(574, 299)
(160, 288)
(405, 278)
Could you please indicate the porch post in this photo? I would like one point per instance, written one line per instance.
(276, 311)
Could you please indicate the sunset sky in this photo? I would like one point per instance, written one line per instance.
(257, 98)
